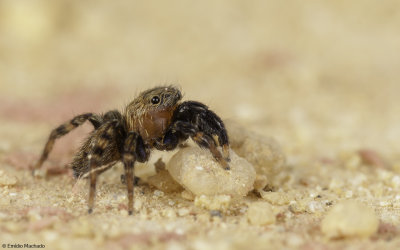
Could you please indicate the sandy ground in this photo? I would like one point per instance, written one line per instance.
(320, 78)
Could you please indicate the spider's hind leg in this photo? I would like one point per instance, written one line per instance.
(63, 130)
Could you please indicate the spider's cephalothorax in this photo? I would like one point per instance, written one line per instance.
(154, 119)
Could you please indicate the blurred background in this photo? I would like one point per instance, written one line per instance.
(320, 77)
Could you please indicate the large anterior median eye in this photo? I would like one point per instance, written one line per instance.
(155, 100)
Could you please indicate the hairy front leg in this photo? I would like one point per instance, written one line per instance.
(181, 131)
(192, 117)
(207, 142)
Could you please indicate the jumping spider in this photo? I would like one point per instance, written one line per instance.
(155, 119)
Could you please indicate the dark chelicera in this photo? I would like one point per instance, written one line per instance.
(155, 119)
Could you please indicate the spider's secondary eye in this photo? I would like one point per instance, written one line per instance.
(155, 99)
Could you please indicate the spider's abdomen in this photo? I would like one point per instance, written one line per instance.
(110, 153)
